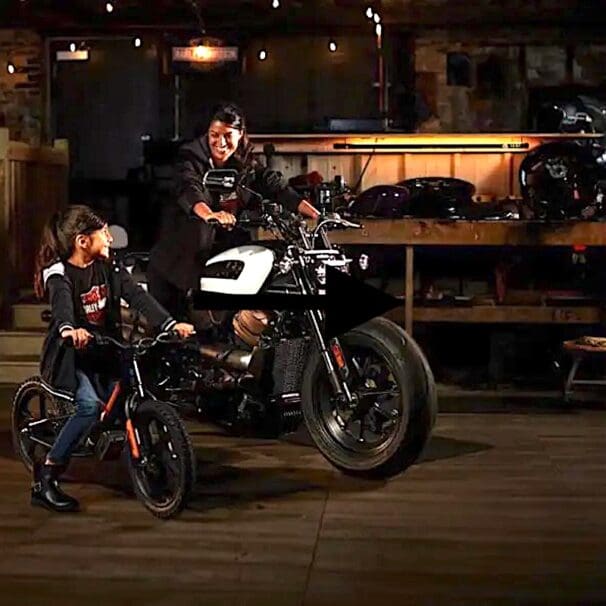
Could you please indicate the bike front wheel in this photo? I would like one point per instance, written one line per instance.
(163, 475)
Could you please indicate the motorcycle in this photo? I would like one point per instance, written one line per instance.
(367, 397)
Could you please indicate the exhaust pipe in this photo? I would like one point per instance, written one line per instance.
(236, 359)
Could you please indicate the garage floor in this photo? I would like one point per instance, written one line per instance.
(507, 506)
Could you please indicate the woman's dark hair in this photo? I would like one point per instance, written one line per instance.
(232, 115)
(59, 236)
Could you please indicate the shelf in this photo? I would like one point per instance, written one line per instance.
(513, 314)
(433, 232)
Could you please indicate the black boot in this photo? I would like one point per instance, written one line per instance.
(46, 491)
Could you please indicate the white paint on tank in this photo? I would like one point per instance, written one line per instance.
(258, 263)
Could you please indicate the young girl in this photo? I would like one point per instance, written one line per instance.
(84, 290)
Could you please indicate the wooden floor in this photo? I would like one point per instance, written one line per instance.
(504, 508)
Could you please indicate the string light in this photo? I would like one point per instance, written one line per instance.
(378, 30)
(275, 4)
(369, 12)
(332, 46)
(109, 7)
(377, 18)
(262, 54)
(72, 47)
(137, 42)
(10, 67)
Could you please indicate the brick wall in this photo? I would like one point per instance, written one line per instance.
(525, 60)
(21, 105)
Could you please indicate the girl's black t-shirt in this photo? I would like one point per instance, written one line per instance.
(90, 294)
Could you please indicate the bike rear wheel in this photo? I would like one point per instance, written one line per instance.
(33, 403)
(164, 475)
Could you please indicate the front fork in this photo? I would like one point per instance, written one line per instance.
(333, 357)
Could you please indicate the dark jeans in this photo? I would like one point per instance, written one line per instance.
(88, 405)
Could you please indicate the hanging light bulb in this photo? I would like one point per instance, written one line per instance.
(275, 4)
(377, 18)
(137, 42)
(378, 30)
(332, 46)
(369, 12)
(10, 67)
(262, 54)
(109, 7)
(72, 47)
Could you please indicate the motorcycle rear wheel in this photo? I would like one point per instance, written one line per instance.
(397, 404)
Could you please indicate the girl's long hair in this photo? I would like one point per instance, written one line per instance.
(232, 115)
(59, 236)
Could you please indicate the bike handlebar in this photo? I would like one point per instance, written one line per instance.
(167, 336)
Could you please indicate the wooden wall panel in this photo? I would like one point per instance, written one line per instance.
(427, 165)
(33, 185)
(329, 166)
(488, 172)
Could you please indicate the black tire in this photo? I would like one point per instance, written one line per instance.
(49, 406)
(148, 481)
(416, 402)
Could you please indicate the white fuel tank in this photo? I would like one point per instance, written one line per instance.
(238, 271)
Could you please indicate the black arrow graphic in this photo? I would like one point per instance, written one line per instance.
(347, 302)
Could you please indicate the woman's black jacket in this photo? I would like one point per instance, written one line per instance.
(184, 237)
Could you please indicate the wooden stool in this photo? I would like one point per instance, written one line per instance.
(579, 352)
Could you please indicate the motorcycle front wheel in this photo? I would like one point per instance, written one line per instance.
(386, 427)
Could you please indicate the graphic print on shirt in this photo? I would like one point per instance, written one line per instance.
(94, 303)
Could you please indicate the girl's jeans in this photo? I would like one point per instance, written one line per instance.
(88, 404)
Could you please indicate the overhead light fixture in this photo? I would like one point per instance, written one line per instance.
(377, 18)
(204, 53)
(10, 67)
(109, 7)
(262, 55)
(275, 4)
(69, 55)
(369, 12)
(137, 42)
(332, 46)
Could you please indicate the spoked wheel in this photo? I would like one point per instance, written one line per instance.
(33, 404)
(384, 429)
(369, 424)
(164, 476)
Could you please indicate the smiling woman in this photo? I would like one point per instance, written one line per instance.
(188, 239)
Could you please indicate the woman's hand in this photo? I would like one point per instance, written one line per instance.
(79, 336)
(222, 217)
(183, 329)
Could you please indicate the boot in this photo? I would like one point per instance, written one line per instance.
(46, 491)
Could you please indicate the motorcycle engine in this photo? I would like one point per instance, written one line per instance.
(249, 324)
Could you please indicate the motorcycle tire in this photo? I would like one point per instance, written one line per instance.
(173, 448)
(417, 403)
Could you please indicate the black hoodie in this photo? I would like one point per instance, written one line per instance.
(185, 239)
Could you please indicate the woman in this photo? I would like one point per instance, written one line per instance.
(187, 239)
(84, 290)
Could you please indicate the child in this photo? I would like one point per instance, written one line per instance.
(84, 290)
